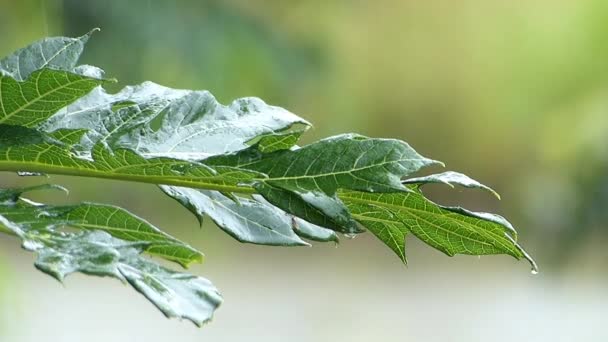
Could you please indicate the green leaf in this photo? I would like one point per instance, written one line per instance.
(12, 195)
(382, 223)
(451, 178)
(155, 121)
(313, 232)
(451, 230)
(27, 149)
(238, 164)
(304, 181)
(96, 253)
(246, 220)
(303, 228)
(58, 53)
(41, 95)
(314, 207)
(278, 141)
(40, 79)
(346, 161)
(92, 216)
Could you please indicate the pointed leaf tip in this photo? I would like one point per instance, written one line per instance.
(451, 178)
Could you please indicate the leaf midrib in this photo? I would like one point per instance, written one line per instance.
(9, 165)
(496, 237)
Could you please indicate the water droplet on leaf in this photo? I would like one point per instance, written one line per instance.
(26, 174)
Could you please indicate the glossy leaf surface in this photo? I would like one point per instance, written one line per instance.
(109, 244)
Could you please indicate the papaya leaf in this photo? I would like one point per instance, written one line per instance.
(313, 232)
(304, 228)
(155, 121)
(57, 53)
(41, 95)
(97, 251)
(451, 178)
(246, 220)
(278, 141)
(452, 230)
(304, 181)
(40, 79)
(238, 164)
(27, 149)
(92, 216)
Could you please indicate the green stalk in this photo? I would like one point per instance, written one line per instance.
(83, 172)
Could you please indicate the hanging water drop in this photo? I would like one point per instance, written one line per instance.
(32, 245)
(46, 214)
(28, 174)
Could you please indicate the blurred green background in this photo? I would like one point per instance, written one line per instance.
(512, 93)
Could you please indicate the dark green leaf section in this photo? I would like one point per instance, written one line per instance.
(303, 228)
(346, 161)
(91, 216)
(314, 207)
(304, 181)
(244, 219)
(450, 230)
(383, 224)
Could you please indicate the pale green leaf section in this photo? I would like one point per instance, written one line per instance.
(313, 232)
(155, 121)
(451, 178)
(58, 53)
(244, 219)
(175, 294)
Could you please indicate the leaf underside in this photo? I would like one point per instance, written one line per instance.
(237, 164)
(109, 243)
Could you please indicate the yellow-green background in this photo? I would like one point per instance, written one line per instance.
(513, 93)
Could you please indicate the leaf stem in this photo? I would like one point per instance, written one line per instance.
(82, 172)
